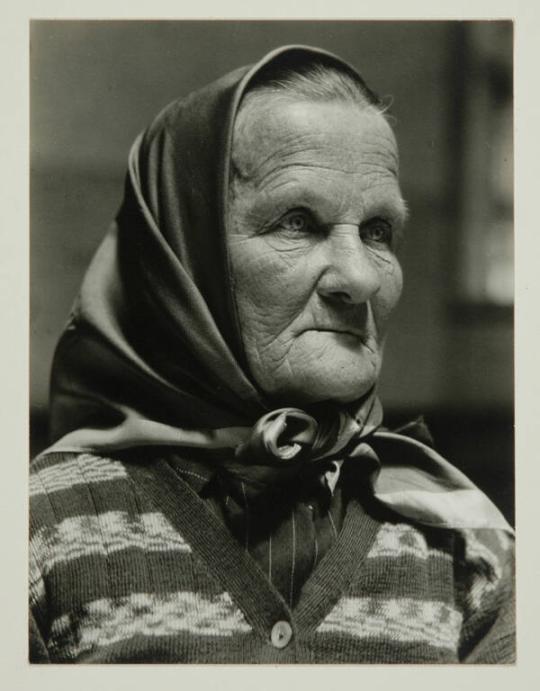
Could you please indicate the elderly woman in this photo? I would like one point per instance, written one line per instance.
(221, 488)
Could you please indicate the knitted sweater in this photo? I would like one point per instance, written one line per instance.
(129, 565)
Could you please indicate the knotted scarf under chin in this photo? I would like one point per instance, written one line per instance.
(403, 472)
(289, 444)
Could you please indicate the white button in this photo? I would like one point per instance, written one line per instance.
(281, 634)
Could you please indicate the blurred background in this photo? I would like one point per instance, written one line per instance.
(96, 84)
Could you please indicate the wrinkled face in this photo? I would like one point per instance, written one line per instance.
(314, 214)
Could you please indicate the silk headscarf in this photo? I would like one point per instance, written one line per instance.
(152, 354)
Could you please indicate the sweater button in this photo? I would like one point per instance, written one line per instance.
(281, 634)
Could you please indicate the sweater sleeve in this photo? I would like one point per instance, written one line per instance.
(37, 617)
(41, 518)
(37, 651)
(486, 590)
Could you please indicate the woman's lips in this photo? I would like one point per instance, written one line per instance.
(366, 340)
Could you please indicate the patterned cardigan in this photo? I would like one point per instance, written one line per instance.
(129, 565)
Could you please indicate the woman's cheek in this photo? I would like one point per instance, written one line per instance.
(388, 296)
(269, 269)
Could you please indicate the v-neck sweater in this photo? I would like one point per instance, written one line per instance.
(286, 527)
(128, 564)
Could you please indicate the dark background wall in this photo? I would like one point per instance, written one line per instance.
(95, 85)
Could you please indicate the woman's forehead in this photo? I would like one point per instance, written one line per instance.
(278, 134)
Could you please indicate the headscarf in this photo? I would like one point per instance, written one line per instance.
(152, 354)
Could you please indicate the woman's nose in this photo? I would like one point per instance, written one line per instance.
(351, 275)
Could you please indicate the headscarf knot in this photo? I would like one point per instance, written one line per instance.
(293, 435)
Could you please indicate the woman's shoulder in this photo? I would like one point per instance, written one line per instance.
(55, 471)
(480, 559)
(64, 485)
(485, 560)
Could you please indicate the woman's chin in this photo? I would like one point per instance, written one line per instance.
(339, 388)
(343, 394)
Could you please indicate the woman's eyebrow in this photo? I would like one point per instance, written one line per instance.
(394, 206)
(323, 200)
(400, 211)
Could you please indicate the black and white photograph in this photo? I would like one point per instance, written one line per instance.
(271, 342)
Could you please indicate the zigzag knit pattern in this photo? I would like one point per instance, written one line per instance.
(128, 565)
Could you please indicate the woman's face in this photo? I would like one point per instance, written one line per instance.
(314, 214)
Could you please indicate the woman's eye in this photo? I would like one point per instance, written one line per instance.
(296, 222)
(377, 230)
